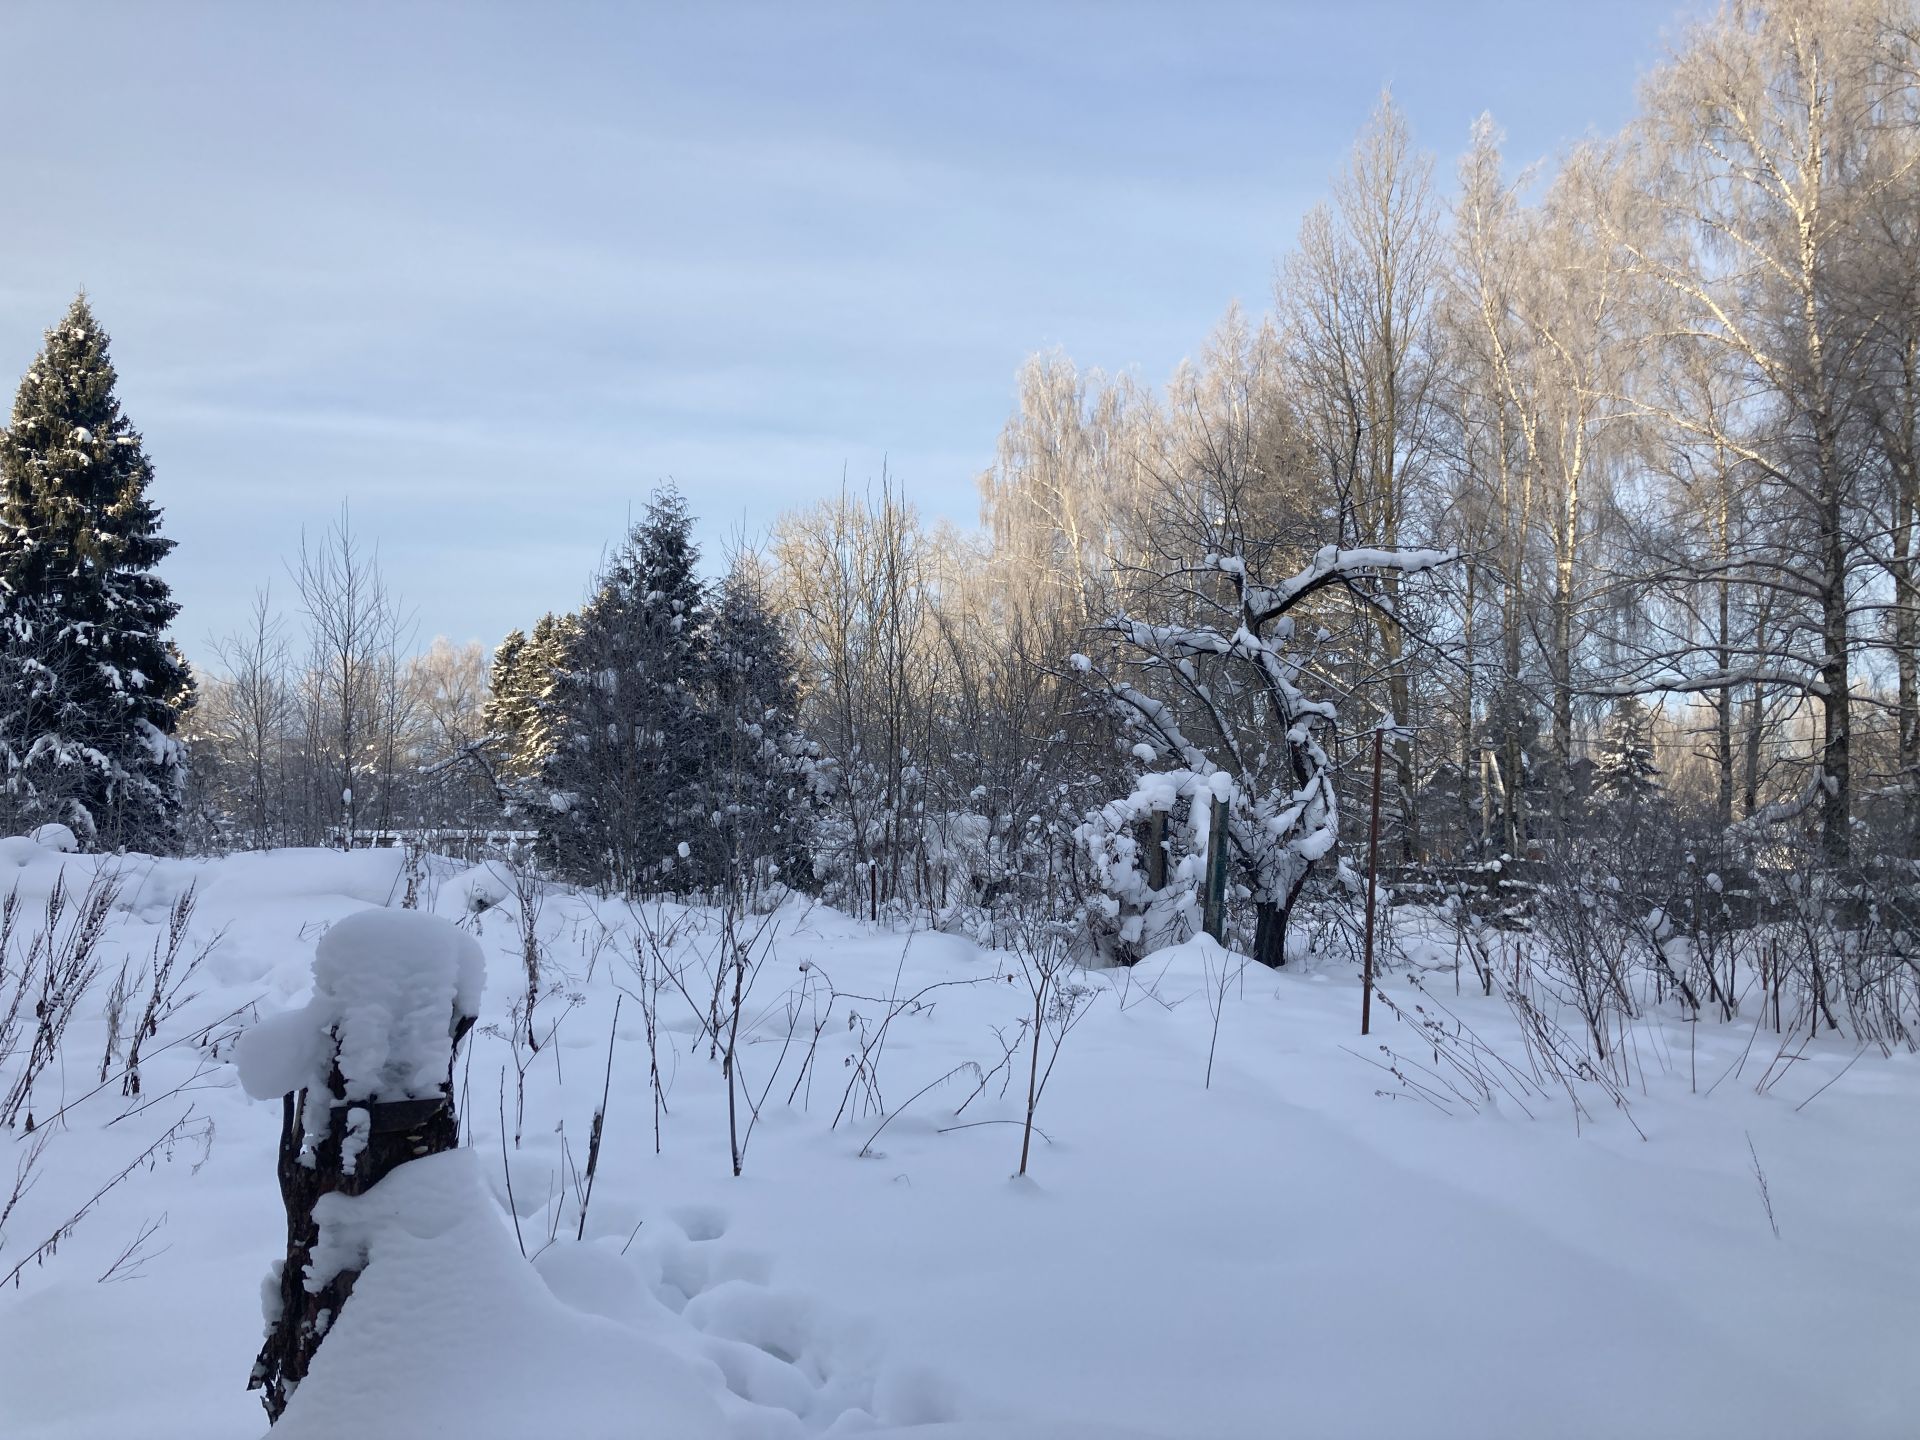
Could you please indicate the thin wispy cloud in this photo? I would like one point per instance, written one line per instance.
(544, 258)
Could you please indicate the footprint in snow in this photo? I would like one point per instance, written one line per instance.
(700, 1222)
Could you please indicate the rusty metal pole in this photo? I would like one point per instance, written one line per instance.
(1373, 881)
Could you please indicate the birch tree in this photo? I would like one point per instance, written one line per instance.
(1359, 296)
(1754, 142)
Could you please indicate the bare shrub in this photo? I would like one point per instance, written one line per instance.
(61, 963)
(1059, 1003)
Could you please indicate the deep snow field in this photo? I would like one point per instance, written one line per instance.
(1300, 1248)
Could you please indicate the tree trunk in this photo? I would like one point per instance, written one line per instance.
(1561, 799)
(1723, 703)
(1906, 596)
(1836, 813)
(1468, 753)
(1400, 697)
(1750, 789)
(1270, 934)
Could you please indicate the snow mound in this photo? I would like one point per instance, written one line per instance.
(260, 877)
(19, 852)
(382, 982)
(482, 888)
(55, 837)
(450, 1332)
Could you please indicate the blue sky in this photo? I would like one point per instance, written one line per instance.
(493, 272)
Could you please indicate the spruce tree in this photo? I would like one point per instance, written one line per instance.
(760, 764)
(508, 715)
(91, 691)
(1626, 781)
(502, 715)
(541, 664)
(625, 782)
(519, 716)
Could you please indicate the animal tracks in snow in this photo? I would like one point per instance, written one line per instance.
(786, 1365)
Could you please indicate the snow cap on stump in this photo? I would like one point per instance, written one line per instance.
(388, 986)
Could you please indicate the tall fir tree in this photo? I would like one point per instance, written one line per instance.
(761, 766)
(626, 780)
(91, 690)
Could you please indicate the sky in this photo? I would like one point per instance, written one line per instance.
(489, 274)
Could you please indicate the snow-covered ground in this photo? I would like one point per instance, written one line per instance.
(1286, 1251)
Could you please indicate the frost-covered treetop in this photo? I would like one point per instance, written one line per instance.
(388, 988)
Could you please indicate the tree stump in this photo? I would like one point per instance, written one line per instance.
(378, 1106)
